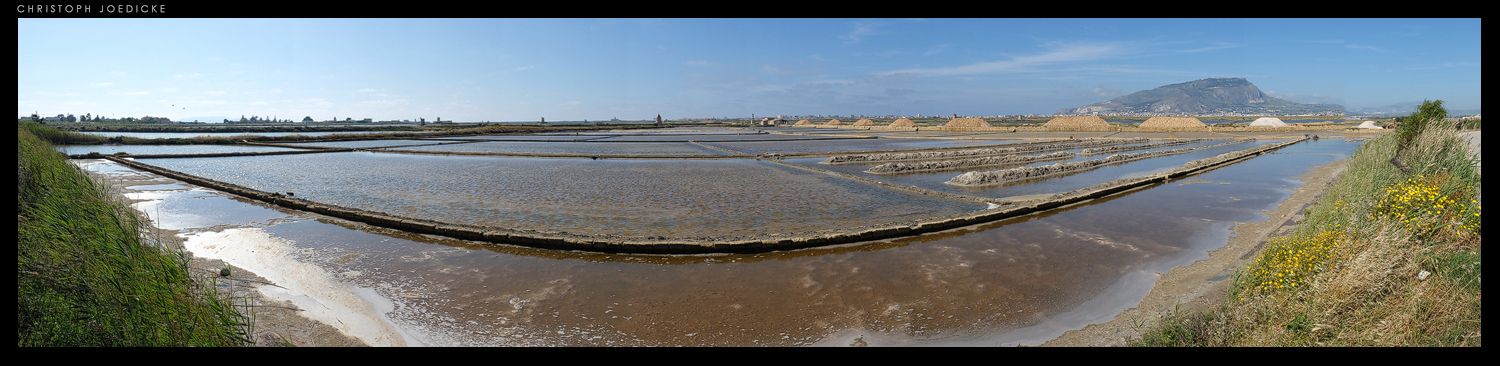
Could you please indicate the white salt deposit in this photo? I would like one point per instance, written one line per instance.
(1369, 125)
(1268, 122)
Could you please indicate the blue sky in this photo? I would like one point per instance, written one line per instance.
(597, 69)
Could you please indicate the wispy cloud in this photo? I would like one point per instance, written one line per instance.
(1059, 54)
(865, 28)
(1215, 46)
(189, 76)
(936, 49)
(1358, 47)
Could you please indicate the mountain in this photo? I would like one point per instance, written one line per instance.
(1214, 96)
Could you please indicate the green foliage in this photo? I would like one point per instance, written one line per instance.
(87, 276)
(1430, 111)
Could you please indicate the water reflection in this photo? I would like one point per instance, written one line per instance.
(1018, 281)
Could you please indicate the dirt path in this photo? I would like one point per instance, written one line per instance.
(1206, 282)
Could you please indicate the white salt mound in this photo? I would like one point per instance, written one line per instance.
(1268, 122)
(1369, 125)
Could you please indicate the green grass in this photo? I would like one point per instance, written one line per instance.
(88, 276)
(1388, 227)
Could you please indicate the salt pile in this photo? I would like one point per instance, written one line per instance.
(1369, 125)
(864, 122)
(1268, 122)
(834, 122)
(1076, 122)
(1172, 122)
(903, 123)
(967, 122)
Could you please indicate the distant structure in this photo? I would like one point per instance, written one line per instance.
(658, 119)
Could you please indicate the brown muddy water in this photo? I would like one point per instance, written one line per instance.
(1016, 282)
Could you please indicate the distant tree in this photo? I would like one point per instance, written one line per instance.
(307, 119)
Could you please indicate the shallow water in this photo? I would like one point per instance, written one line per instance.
(582, 148)
(174, 135)
(1019, 281)
(165, 149)
(621, 197)
(370, 143)
(1046, 185)
(788, 147)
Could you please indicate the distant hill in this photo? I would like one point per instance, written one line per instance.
(1204, 97)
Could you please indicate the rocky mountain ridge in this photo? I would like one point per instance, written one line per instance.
(1213, 96)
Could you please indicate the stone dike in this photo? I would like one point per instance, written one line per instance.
(960, 164)
(952, 154)
(1115, 149)
(711, 244)
(999, 177)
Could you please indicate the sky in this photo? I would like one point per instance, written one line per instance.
(514, 70)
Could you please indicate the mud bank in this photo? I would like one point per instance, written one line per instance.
(999, 177)
(936, 155)
(738, 244)
(974, 163)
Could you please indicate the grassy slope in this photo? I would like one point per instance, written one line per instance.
(1353, 272)
(87, 276)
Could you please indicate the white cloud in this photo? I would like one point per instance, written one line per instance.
(181, 76)
(1215, 46)
(1059, 54)
(319, 101)
(936, 49)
